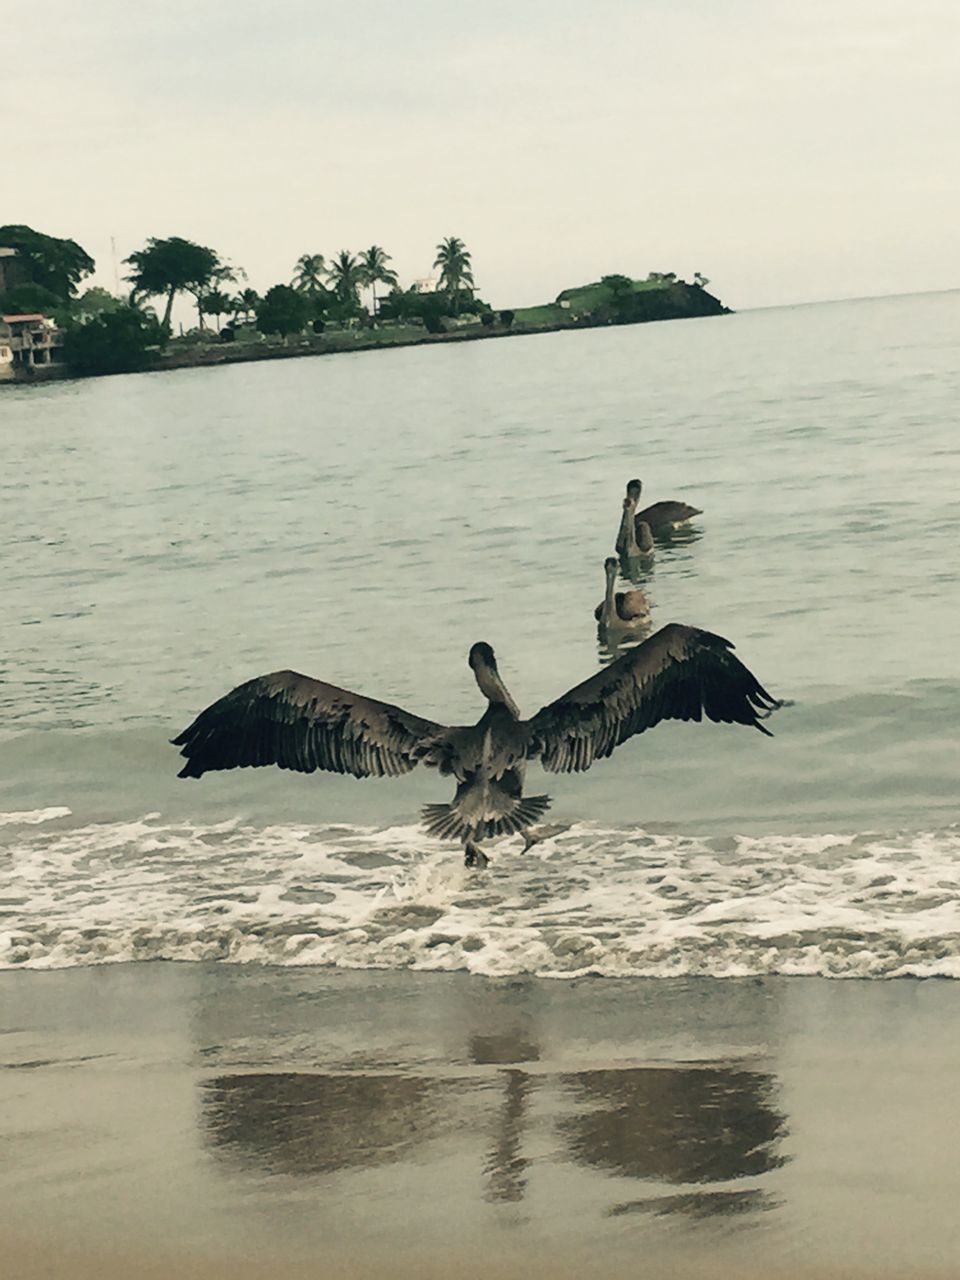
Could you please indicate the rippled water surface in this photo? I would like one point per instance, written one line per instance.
(366, 518)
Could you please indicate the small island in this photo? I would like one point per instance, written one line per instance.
(49, 328)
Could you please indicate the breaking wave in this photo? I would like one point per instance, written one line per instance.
(589, 899)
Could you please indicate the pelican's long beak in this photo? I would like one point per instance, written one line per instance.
(492, 686)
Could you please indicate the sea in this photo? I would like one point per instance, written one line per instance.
(364, 518)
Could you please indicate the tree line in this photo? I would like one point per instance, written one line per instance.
(109, 334)
(319, 292)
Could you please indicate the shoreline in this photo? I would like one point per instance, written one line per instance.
(218, 354)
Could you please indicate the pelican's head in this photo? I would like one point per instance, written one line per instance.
(633, 489)
(482, 656)
(644, 536)
(611, 565)
(484, 664)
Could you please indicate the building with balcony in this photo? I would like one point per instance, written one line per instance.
(33, 340)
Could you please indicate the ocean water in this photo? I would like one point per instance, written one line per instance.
(365, 518)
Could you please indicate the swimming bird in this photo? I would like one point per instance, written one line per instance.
(623, 613)
(295, 722)
(635, 538)
(660, 516)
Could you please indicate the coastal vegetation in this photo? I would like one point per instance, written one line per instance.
(321, 308)
(456, 270)
(123, 339)
(165, 268)
(47, 274)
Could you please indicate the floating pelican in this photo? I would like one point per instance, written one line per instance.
(290, 720)
(623, 613)
(660, 516)
(635, 538)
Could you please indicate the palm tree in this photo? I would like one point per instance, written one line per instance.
(346, 275)
(216, 303)
(245, 303)
(373, 263)
(309, 272)
(453, 259)
(203, 287)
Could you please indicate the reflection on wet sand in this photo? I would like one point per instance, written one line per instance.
(700, 1204)
(680, 1125)
(674, 1125)
(300, 1123)
(505, 1165)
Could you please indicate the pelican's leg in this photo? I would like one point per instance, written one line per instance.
(473, 856)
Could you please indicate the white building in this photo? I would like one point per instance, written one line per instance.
(6, 353)
(34, 340)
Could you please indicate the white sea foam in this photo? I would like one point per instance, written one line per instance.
(33, 817)
(601, 900)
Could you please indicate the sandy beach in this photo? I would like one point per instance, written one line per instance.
(169, 1119)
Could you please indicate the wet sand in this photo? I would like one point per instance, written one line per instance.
(180, 1120)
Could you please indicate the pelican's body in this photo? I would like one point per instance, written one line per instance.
(622, 613)
(298, 723)
(661, 517)
(635, 538)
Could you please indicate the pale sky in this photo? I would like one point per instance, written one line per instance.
(791, 150)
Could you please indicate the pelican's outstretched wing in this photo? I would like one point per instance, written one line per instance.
(680, 673)
(292, 721)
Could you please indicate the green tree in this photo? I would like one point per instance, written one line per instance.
(618, 285)
(95, 301)
(620, 293)
(283, 310)
(172, 266)
(216, 303)
(373, 263)
(245, 304)
(222, 273)
(456, 270)
(23, 299)
(309, 273)
(120, 341)
(54, 264)
(346, 276)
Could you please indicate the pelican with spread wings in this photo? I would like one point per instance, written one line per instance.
(290, 720)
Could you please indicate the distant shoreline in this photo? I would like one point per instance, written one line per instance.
(217, 354)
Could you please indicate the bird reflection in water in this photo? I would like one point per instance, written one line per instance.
(637, 572)
(678, 1125)
(506, 1165)
(304, 1124)
(684, 1126)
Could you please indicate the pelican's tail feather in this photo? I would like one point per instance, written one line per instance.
(452, 822)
